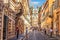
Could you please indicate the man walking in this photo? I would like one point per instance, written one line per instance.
(26, 33)
(44, 31)
(17, 32)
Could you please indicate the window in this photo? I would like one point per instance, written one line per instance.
(18, 0)
(46, 6)
(5, 1)
(59, 3)
(56, 4)
(51, 10)
(43, 14)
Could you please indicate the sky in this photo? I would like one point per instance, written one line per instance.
(36, 3)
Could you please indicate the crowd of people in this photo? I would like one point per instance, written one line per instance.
(49, 32)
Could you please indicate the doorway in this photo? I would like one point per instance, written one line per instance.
(5, 27)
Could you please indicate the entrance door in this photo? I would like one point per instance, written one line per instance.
(5, 27)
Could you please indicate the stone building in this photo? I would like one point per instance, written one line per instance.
(56, 16)
(39, 17)
(50, 16)
(9, 15)
(26, 14)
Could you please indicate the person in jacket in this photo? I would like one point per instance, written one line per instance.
(17, 32)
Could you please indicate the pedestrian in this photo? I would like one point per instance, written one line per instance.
(26, 33)
(17, 32)
(51, 31)
(56, 32)
(44, 31)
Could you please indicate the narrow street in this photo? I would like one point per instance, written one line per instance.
(35, 35)
(29, 19)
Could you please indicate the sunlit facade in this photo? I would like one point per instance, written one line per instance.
(8, 17)
(35, 18)
(29, 20)
(49, 16)
(26, 15)
(56, 16)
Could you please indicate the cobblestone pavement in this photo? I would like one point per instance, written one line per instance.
(36, 35)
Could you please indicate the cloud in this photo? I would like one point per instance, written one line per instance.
(35, 3)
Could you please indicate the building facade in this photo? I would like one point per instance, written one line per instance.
(26, 15)
(50, 16)
(21, 26)
(39, 17)
(56, 16)
(9, 15)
